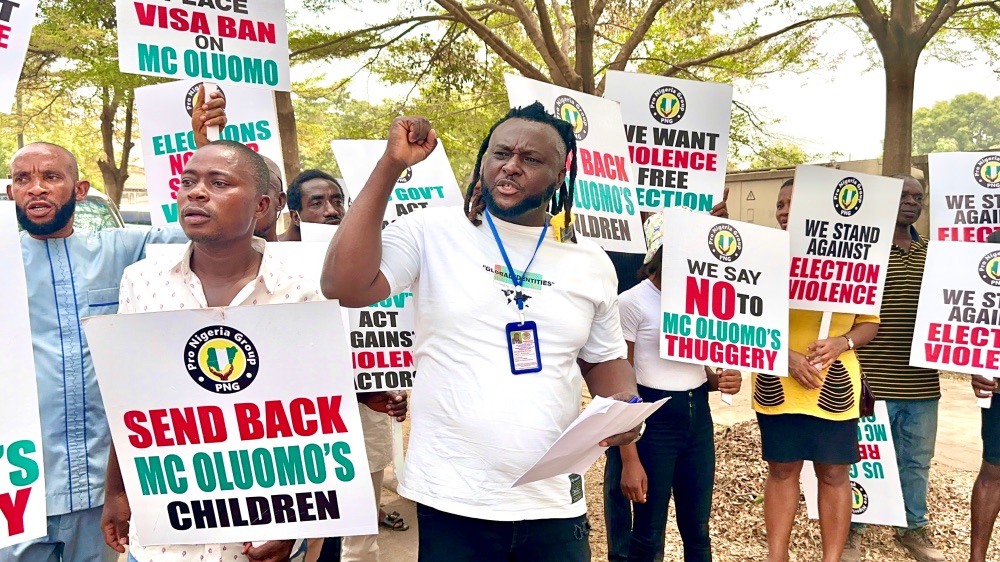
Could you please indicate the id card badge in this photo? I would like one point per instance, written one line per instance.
(522, 348)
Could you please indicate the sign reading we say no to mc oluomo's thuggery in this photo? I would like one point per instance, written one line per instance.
(840, 226)
(236, 424)
(604, 205)
(22, 481)
(724, 301)
(965, 201)
(16, 20)
(678, 138)
(242, 42)
(168, 141)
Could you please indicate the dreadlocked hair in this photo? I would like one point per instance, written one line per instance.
(563, 200)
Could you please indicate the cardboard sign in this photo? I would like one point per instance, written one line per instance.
(876, 494)
(723, 300)
(168, 141)
(430, 183)
(605, 208)
(22, 477)
(678, 138)
(242, 42)
(841, 226)
(16, 21)
(959, 313)
(238, 424)
(965, 201)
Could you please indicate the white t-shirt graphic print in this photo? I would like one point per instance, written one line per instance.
(475, 426)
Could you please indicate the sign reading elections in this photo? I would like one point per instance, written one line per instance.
(22, 481)
(841, 226)
(965, 201)
(678, 138)
(168, 141)
(958, 319)
(240, 42)
(604, 204)
(16, 21)
(239, 424)
(724, 300)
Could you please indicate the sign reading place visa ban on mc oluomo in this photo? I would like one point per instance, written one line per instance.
(840, 226)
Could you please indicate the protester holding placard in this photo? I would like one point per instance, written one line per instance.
(313, 196)
(501, 350)
(811, 415)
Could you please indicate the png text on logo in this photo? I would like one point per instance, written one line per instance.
(859, 499)
(848, 196)
(725, 243)
(405, 176)
(221, 359)
(989, 268)
(570, 111)
(667, 105)
(191, 99)
(987, 172)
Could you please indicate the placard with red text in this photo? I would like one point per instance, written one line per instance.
(965, 201)
(16, 21)
(841, 225)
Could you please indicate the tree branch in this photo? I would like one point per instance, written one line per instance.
(549, 39)
(127, 143)
(637, 36)
(584, 19)
(598, 10)
(382, 27)
(564, 27)
(873, 18)
(942, 12)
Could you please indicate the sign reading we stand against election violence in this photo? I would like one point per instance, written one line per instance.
(724, 298)
(965, 201)
(241, 42)
(841, 226)
(604, 204)
(16, 21)
(678, 138)
(168, 141)
(239, 424)
(22, 481)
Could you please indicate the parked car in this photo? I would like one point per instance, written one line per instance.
(135, 215)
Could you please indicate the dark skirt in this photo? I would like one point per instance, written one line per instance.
(798, 437)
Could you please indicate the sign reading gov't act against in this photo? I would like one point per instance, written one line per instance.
(678, 138)
(242, 42)
(604, 203)
(958, 319)
(841, 226)
(724, 299)
(22, 482)
(235, 424)
(876, 494)
(168, 141)
(16, 20)
(965, 201)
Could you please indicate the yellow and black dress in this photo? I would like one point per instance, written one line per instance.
(818, 425)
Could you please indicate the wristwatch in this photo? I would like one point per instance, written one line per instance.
(850, 342)
(642, 429)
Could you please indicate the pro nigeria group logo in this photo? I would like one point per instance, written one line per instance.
(221, 359)
(572, 112)
(989, 268)
(848, 196)
(725, 243)
(191, 98)
(667, 105)
(987, 172)
(405, 176)
(859, 499)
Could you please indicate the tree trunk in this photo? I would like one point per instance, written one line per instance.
(900, 71)
(287, 133)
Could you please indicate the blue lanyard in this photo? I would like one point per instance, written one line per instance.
(517, 280)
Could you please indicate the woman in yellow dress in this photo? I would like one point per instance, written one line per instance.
(812, 414)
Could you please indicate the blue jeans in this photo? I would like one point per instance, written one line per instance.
(618, 510)
(914, 432)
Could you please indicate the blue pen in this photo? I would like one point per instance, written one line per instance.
(635, 400)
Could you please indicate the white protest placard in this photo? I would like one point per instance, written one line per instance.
(22, 478)
(604, 205)
(876, 494)
(678, 138)
(724, 299)
(240, 42)
(958, 318)
(965, 201)
(841, 225)
(430, 183)
(235, 424)
(16, 21)
(168, 141)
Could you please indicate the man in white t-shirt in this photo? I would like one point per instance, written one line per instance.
(500, 352)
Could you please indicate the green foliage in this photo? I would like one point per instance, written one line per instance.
(966, 123)
(780, 155)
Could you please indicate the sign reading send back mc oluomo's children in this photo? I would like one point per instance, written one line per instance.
(235, 424)
(965, 201)
(841, 226)
(604, 205)
(723, 300)
(678, 138)
(241, 42)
